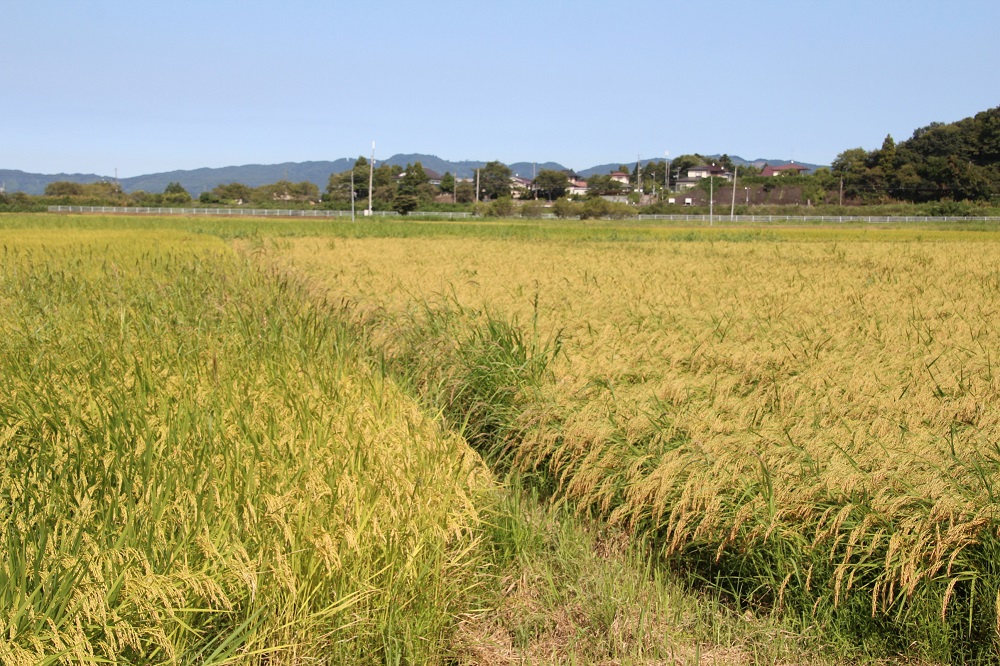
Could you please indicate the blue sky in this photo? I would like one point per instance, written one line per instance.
(93, 86)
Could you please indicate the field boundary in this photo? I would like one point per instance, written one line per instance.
(269, 212)
(239, 212)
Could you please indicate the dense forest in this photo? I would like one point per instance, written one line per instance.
(958, 161)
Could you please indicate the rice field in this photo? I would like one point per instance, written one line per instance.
(228, 441)
(806, 419)
(199, 466)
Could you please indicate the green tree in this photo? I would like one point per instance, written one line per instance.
(551, 184)
(959, 161)
(851, 168)
(447, 183)
(532, 209)
(682, 163)
(653, 175)
(284, 190)
(338, 186)
(413, 179)
(234, 193)
(385, 175)
(494, 180)
(596, 208)
(404, 203)
(564, 208)
(602, 185)
(501, 207)
(882, 168)
(64, 188)
(174, 193)
(465, 192)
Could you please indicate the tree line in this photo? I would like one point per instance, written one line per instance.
(237, 194)
(957, 162)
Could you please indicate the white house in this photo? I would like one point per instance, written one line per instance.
(695, 174)
(620, 177)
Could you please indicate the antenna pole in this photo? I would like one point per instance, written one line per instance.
(371, 180)
(711, 195)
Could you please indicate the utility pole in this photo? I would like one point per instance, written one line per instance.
(352, 194)
(666, 172)
(732, 210)
(711, 195)
(638, 176)
(477, 185)
(371, 180)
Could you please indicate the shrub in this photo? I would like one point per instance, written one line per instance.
(564, 208)
(502, 207)
(532, 209)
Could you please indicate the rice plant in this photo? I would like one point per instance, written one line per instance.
(200, 467)
(804, 420)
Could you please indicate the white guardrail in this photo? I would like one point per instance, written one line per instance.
(268, 212)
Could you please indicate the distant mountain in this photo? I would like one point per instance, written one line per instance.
(760, 163)
(197, 181)
(605, 169)
(467, 168)
(34, 183)
(464, 169)
(194, 181)
(529, 169)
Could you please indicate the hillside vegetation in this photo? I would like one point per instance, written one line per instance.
(957, 161)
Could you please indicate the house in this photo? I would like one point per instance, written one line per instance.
(785, 168)
(620, 177)
(433, 177)
(520, 187)
(698, 173)
(706, 170)
(577, 187)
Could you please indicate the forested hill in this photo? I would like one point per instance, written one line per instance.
(958, 161)
(196, 181)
